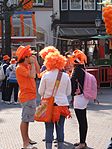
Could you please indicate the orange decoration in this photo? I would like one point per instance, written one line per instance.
(22, 24)
(34, 24)
(12, 28)
(107, 15)
(27, 4)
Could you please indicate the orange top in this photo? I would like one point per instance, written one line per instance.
(27, 85)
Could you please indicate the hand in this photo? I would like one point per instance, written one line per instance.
(35, 58)
(32, 59)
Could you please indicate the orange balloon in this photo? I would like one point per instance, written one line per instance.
(109, 31)
(106, 20)
(103, 9)
(28, 4)
(105, 13)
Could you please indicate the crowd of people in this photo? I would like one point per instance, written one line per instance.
(21, 73)
(8, 80)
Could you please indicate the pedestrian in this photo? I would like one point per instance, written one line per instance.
(25, 74)
(12, 83)
(54, 63)
(80, 103)
(43, 53)
(5, 64)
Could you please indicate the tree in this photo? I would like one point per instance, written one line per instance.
(9, 7)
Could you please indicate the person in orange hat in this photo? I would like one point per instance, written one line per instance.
(6, 60)
(12, 83)
(79, 102)
(6, 57)
(13, 61)
(25, 74)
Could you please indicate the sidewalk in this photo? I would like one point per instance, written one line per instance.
(99, 125)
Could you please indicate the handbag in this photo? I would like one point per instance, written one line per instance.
(80, 102)
(44, 110)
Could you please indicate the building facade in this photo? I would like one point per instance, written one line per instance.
(74, 22)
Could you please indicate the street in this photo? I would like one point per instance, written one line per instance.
(99, 125)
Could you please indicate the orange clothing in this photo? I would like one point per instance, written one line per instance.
(27, 85)
(41, 73)
(58, 111)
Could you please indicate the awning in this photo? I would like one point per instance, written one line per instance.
(102, 37)
(77, 32)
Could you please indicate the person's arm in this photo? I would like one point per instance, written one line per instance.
(7, 71)
(68, 90)
(74, 83)
(41, 89)
(37, 67)
(32, 72)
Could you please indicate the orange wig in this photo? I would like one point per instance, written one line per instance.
(55, 61)
(78, 56)
(47, 50)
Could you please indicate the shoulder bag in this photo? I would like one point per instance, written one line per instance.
(44, 110)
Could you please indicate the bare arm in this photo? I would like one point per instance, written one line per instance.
(32, 73)
(37, 67)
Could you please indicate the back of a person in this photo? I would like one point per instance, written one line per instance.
(12, 72)
(55, 62)
(61, 95)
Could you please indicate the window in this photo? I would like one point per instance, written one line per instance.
(89, 4)
(64, 4)
(75, 4)
(27, 26)
(17, 31)
(39, 2)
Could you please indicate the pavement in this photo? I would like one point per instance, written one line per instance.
(99, 125)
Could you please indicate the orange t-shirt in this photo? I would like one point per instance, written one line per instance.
(27, 85)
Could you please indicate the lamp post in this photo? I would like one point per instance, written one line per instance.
(98, 25)
(9, 7)
(2, 26)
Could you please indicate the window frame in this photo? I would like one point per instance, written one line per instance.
(76, 9)
(91, 8)
(62, 7)
(39, 4)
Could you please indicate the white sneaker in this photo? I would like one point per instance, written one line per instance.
(7, 102)
(15, 103)
(30, 147)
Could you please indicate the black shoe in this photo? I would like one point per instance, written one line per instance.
(32, 142)
(110, 146)
(76, 144)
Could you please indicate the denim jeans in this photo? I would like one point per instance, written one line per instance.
(59, 130)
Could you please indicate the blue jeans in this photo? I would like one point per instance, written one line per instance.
(59, 130)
